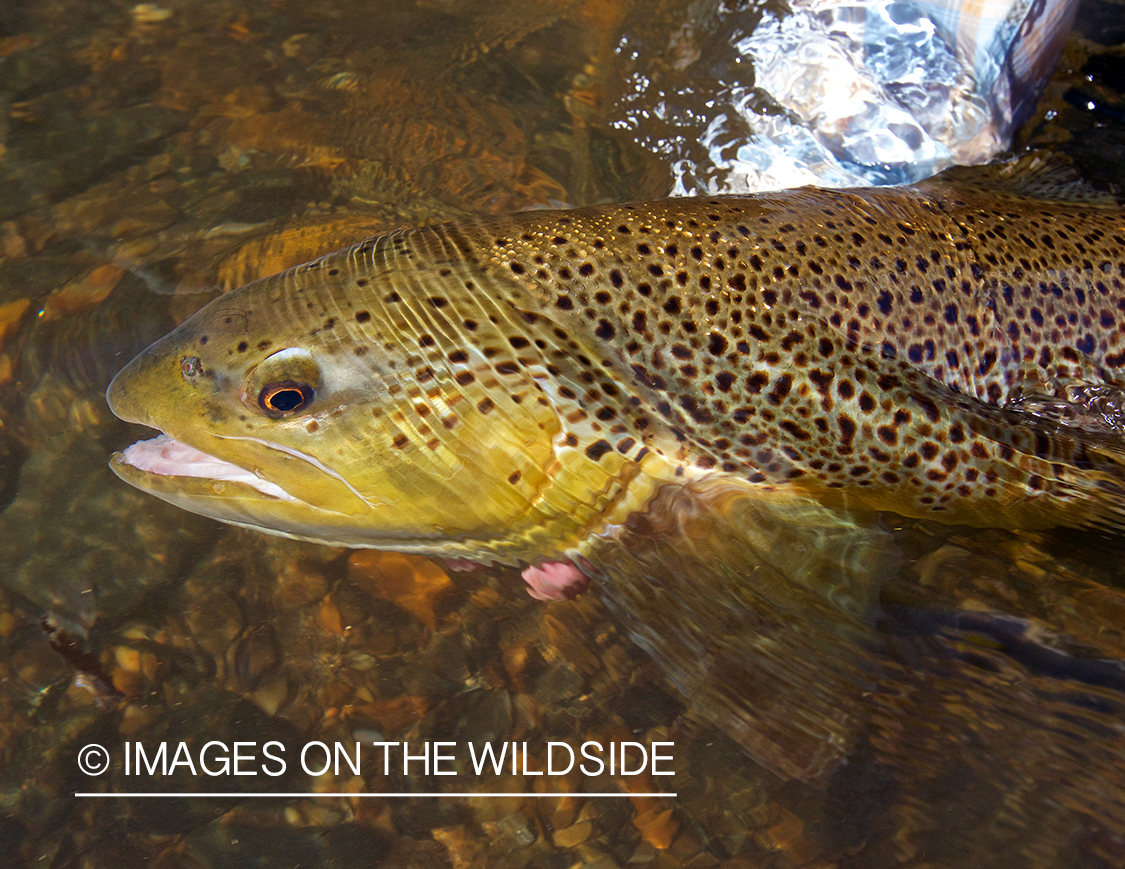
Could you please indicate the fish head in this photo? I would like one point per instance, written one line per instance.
(368, 401)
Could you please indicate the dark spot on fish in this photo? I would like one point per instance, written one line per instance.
(757, 381)
(362, 316)
(695, 411)
(930, 408)
(794, 430)
(598, 449)
(781, 389)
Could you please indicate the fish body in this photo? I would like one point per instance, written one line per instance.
(505, 389)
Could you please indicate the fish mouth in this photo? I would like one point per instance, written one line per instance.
(199, 472)
(163, 456)
(197, 481)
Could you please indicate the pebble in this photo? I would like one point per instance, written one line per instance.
(416, 584)
(658, 826)
(460, 843)
(10, 316)
(150, 13)
(576, 834)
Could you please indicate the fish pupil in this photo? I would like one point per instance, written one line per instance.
(284, 397)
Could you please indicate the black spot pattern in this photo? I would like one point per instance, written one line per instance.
(840, 336)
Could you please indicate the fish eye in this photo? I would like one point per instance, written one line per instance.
(284, 397)
(282, 384)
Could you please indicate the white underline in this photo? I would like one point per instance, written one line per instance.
(398, 794)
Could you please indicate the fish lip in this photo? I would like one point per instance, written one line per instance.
(197, 451)
(305, 457)
(165, 456)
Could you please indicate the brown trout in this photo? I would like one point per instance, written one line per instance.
(507, 389)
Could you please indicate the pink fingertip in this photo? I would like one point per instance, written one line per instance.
(555, 580)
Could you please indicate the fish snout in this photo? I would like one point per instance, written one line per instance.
(123, 398)
(161, 383)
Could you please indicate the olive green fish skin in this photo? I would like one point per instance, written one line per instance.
(507, 387)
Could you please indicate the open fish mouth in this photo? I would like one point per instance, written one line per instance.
(164, 456)
(247, 468)
(304, 501)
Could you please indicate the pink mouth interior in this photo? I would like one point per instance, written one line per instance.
(168, 457)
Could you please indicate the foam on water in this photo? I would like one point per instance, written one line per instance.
(837, 93)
